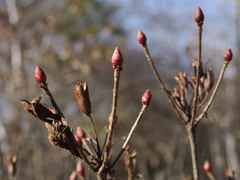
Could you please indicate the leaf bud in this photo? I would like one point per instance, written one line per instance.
(146, 98)
(117, 59)
(199, 16)
(80, 168)
(110, 118)
(228, 55)
(80, 133)
(40, 76)
(142, 39)
(79, 141)
(207, 166)
(73, 176)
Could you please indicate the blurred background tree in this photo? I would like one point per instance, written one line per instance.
(74, 39)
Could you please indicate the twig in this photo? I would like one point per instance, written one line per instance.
(130, 134)
(210, 175)
(110, 128)
(91, 141)
(167, 93)
(46, 90)
(199, 69)
(96, 137)
(105, 140)
(122, 138)
(192, 142)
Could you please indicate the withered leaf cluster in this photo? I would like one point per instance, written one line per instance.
(180, 93)
(59, 133)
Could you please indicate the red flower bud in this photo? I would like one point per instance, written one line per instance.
(228, 55)
(80, 168)
(40, 76)
(142, 39)
(199, 16)
(80, 133)
(114, 119)
(79, 141)
(146, 98)
(207, 166)
(73, 176)
(117, 59)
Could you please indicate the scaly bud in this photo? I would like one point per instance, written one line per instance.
(228, 55)
(80, 133)
(117, 59)
(79, 141)
(142, 39)
(73, 176)
(199, 16)
(207, 166)
(114, 119)
(40, 76)
(83, 99)
(80, 168)
(146, 98)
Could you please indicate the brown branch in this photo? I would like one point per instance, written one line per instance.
(167, 93)
(95, 136)
(46, 90)
(192, 141)
(199, 71)
(111, 125)
(210, 175)
(144, 107)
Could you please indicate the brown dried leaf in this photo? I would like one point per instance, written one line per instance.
(40, 111)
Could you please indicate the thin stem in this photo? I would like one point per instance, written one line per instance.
(81, 177)
(46, 90)
(129, 164)
(105, 140)
(96, 137)
(134, 126)
(210, 175)
(110, 128)
(130, 173)
(130, 134)
(91, 141)
(167, 93)
(88, 150)
(213, 94)
(192, 141)
(123, 138)
(199, 69)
